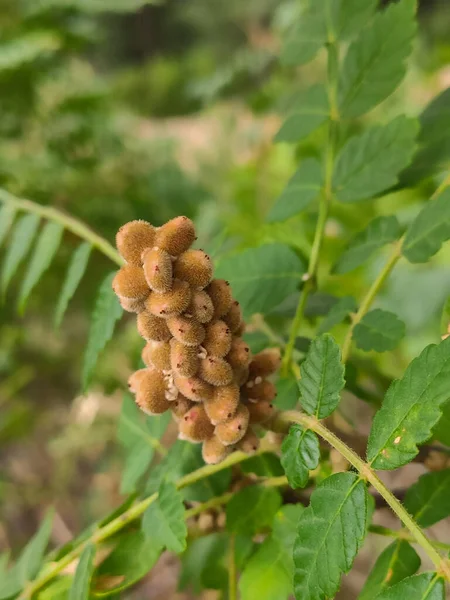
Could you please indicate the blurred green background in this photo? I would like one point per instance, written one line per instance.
(113, 110)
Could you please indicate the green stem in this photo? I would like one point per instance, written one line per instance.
(370, 297)
(232, 571)
(70, 223)
(368, 474)
(130, 515)
(402, 534)
(325, 198)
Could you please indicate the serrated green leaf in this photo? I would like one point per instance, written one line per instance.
(322, 377)
(252, 509)
(305, 38)
(106, 312)
(349, 16)
(378, 233)
(75, 272)
(378, 330)
(266, 464)
(203, 556)
(411, 408)
(163, 521)
(301, 190)
(21, 240)
(427, 586)
(375, 62)
(30, 559)
(429, 230)
(330, 533)
(262, 277)
(371, 162)
(133, 557)
(82, 578)
(300, 454)
(136, 463)
(340, 311)
(7, 216)
(442, 430)
(309, 111)
(46, 248)
(428, 500)
(397, 561)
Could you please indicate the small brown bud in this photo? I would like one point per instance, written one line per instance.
(171, 303)
(157, 355)
(218, 338)
(233, 430)
(265, 363)
(194, 388)
(201, 306)
(219, 291)
(195, 267)
(129, 282)
(180, 407)
(132, 305)
(133, 238)
(157, 269)
(216, 371)
(240, 330)
(263, 391)
(195, 425)
(187, 331)
(184, 359)
(233, 317)
(176, 236)
(213, 451)
(260, 411)
(249, 443)
(152, 328)
(135, 379)
(224, 403)
(240, 374)
(151, 396)
(239, 355)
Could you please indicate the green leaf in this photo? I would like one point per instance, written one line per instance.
(287, 393)
(75, 272)
(133, 557)
(252, 509)
(427, 586)
(309, 111)
(340, 311)
(349, 16)
(7, 216)
(262, 277)
(330, 533)
(268, 573)
(30, 560)
(136, 464)
(428, 500)
(9, 584)
(429, 230)
(378, 233)
(445, 318)
(21, 240)
(163, 521)
(442, 430)
(322, 377)
(106, 312)
(411, 408)
(204, 556)
(301, 190)
(46, 247)
(82, 578)
(19, 51)
(378, 330)
(371, 162)
(300, 454)
(57, 590)
(375, 62)
(397, 561)
(306, 37)
(266, 464)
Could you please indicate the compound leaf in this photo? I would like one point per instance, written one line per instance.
(322, 377)
(330, 532)
(300, 454)
(428, 500)
(46, 248)
(429, 230)
(411, 408)
(106, 312)
(371, 162)
(21, 239)
(252, 509)
(378, 233)
(427, 586)
(306, 37)
(397, 561)
(309, 111)
(75, 272)
(82, 578)
(375, 62)
(378, 330)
